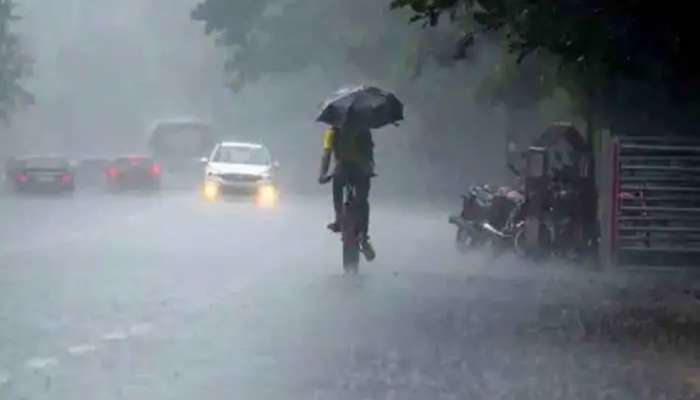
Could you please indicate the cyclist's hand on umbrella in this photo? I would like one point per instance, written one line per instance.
(323, 179)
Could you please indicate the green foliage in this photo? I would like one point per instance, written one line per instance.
(608, 51)
(14, 65)
(267, 36)
(518, 85)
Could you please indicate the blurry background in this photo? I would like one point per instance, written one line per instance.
(104, 70)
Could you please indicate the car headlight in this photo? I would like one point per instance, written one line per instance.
(211, 190)
(267, 196)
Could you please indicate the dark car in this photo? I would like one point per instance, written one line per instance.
(133, 172)
(42, 174)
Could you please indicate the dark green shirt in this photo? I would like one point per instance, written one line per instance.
(348, 146)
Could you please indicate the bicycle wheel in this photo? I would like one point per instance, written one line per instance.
(351, 257)
(351, 245)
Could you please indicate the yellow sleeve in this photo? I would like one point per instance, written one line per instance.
(328, 138)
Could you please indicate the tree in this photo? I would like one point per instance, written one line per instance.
(520, 89)
(14, 65)
(608, 51)
(268, 37)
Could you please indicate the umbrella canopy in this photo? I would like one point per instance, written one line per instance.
(366, 106)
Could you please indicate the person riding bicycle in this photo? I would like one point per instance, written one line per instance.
(352, 149)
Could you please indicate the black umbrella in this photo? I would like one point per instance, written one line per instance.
(362, 106)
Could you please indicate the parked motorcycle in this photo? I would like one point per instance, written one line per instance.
(476, 204)
(488, 217)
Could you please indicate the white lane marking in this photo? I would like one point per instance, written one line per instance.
(39, 363)
(5, 378)
(141, 329)
(114, 336)
(81, 349)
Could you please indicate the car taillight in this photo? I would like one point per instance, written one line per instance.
(135, 161)
(66, 178)
(155, 170)
(22, 177)
(112, 172)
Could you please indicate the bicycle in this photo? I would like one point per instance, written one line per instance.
(351, 237)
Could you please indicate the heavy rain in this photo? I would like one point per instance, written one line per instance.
(333, 199)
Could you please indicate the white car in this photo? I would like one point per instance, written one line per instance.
(240, 168)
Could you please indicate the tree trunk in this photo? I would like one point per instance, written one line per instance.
(590, 115)
(590, 220)
(590, 119)
(511, 143)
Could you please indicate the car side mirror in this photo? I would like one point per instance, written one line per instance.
(204, 160)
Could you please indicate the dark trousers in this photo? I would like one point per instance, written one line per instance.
(361, 180)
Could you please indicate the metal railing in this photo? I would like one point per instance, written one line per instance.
(656, 200)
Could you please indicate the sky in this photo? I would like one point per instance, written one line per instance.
(104, 69)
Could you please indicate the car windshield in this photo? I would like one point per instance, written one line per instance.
(242, 155)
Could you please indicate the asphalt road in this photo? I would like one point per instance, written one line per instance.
(165, 296)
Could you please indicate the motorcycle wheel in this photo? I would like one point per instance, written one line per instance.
(464, 240)
(500, 246)
(519, 243)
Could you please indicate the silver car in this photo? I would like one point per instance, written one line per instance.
(239, 168)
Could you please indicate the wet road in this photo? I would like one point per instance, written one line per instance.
(167, 297)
